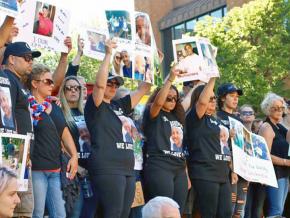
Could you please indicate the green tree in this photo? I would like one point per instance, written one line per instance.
(253, 47)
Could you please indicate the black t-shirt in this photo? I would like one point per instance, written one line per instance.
(280, 148)
(112, 142)
(7, 104)
(47, 145)
(163, 140)
(224, 118)
(81, 136)
(19, 98)
(206, 160)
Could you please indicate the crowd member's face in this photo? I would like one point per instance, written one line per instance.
(212, 104)
(140, 26)
(231, 100)
(111, 89)
(44, 85)
(140, 64)
(247, 115)
(4, 102)
(276, 110)
(170, 101)
(125, 58)
(72, 91)
(21, 65)
(188, 50)
(176, 137)
(9, 199)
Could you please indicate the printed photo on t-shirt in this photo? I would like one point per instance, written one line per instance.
(176, 136)
(127, 129)
(224, 140)
(7, 118)
(84, 139)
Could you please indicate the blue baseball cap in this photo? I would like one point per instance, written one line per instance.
(228, 88)
(19, 49)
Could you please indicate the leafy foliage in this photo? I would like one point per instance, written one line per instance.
(254, 47)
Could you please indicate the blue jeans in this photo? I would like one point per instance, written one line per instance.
(78, 206)
(276, 197)
(239, 197)
(255, 200)
(47, 191)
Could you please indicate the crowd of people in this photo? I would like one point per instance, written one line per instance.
(88, 152)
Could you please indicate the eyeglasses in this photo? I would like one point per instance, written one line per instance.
(113, 84)
(247, 113)
(278, 109)
(72, 88)
(118, 57)
(212, 98)
(48, 82)
(171, 99)
(27, 57)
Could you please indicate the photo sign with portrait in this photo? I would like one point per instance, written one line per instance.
(10, 7)
(195, 58)
(43, 24)
(251, 157)
(14, 150)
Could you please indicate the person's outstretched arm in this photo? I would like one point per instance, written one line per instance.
(102, 74)
(162, 94)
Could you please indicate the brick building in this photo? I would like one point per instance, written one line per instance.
(171, 18)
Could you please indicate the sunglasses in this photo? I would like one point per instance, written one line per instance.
(171, 99)
(278, 109)
(247, 113)
(48, 82)
(212, 98)
(72, 88)
(118, 57)
(27, 57)
(113, 84)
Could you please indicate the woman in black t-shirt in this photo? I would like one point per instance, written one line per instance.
(207, 164)
(164, 171)
(277, 138)
(50, 131)
(111, 163)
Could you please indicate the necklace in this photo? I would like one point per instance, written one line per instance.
(38, 109)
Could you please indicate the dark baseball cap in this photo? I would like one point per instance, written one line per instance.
(19, 49)
(228, 88)
(119, 79)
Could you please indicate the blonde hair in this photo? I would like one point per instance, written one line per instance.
(267, 103)
(64, 104)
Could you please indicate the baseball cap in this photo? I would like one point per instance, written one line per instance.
(228, 88)
(119, 79)
(19, 49)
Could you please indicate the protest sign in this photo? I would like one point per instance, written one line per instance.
(9, 7)
(195, 58)
(42, 24)
(14, 152)
(251, 157)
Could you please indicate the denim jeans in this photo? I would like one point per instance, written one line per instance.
(255, 200)
(276, 197)
(47, 192)
(239, 197)
(78, 206)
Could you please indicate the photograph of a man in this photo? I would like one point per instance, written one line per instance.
(143, 30)
(6, 108)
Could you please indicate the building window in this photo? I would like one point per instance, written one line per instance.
(225, 11)
(190, 25)
(217, 14)
(178, 31)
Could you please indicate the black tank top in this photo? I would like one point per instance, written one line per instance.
(280, 148)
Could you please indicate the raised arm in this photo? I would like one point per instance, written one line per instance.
(267, 132)
(5, 30)
(162, 94)
(204, 98)
(60, 70)
(102, 74)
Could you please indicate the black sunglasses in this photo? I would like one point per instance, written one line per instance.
(212, 98)
(72, 88)
(171, 99)
(113, 84)
(26, 57)
(46, 81)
